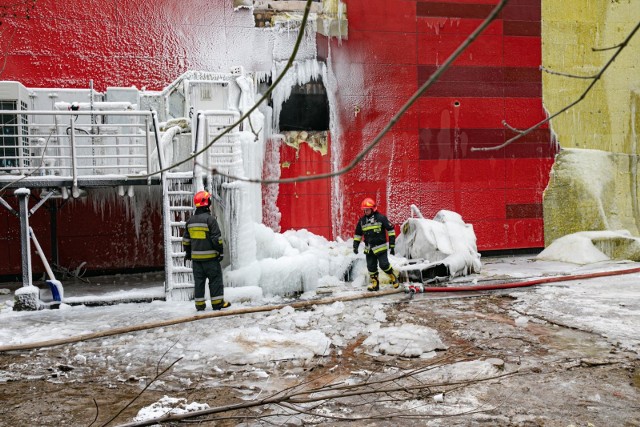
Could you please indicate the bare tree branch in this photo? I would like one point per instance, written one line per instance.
(247, 114)
(573, 76)
(426, 85)
(12, 10)
(296, 400)
(95, 404)
(595, 80)
(432, 79)
(601, 49)
(5, 55)
(141, 392)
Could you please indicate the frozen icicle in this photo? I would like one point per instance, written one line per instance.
(300, 73)
(166, 149)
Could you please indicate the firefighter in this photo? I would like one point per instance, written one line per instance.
(372, 227)
(202, 243)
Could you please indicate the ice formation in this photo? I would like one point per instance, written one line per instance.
(445, 246)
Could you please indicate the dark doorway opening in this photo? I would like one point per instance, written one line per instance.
(306, 109)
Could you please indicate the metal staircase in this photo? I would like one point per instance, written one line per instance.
(229, 201)
(177, 190)
(115, 141)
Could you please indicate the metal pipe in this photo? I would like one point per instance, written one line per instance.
(197, 134)
(77, 113)
(147, 143)
(23, 163)
(23, 201)
(115, 136)
(40, 203)
(95, 106)
(154, 118)
(124, 156)
(4, 203)
(41, 254)
(197, 175)
(53, 216)
(104, 136)
(93, 117)
(73, 158)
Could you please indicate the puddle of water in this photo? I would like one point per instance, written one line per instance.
(585, 344)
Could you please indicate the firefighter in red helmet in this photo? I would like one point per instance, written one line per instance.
(202, 242)
(374, 228)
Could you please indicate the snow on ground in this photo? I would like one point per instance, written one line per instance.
(608, 306)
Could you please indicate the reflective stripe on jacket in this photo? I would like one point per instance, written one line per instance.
(202, 238)
(372, 229)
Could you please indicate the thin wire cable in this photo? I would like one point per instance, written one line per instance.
(595, 80)
(246, 115)
(426, 85)
(44, 150)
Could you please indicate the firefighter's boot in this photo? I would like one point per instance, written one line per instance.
(200, 305)
(394, 280)
(375, 284)
(219, 304)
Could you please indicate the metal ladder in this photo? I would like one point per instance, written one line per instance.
(177, 194)
(178, 189)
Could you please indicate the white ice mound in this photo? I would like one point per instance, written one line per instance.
(445, 244)
(586, 247)
(408, 340)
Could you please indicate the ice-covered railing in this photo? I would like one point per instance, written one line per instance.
(76, 144)
(232, 202)
(225, 155)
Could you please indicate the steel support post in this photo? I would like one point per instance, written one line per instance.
(23, 201)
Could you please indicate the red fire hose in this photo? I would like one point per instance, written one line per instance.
(495, 286)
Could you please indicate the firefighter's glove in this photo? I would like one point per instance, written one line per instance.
(355, 249)
(392, 251)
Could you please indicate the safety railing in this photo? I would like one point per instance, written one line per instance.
(225, 155)
(76, 144)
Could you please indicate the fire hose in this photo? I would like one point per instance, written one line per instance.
(309, 303)
(419, 288)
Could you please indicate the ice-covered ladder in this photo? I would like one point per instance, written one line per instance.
(177, 195)
(178, 190)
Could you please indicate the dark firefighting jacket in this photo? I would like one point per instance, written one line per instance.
(202, 239)
(372, 229)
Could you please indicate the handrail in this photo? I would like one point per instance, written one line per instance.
(154, 120)
(63, 144)
(74, 170)
(78, 113)
(148, 142)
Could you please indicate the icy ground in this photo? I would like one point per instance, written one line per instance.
(246, 348)
(609, 306)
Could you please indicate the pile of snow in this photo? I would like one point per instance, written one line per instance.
(408, 340)
(445, 240)
(587, 247)
(290, 263)
(168, 406)
(261, 341)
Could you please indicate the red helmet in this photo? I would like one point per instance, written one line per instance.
(368, 203)
(202, 198)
